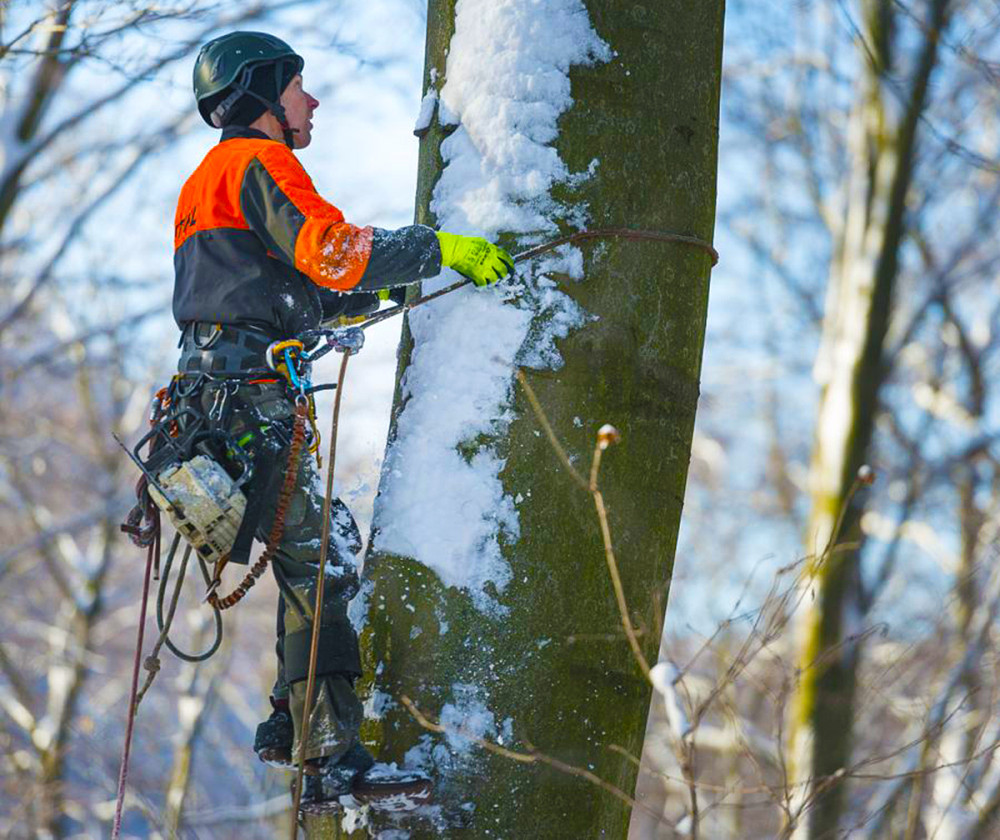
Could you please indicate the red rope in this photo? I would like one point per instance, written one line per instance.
(154, 552)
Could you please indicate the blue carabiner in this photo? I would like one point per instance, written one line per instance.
(292, 373)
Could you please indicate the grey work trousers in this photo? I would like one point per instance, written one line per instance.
(266, 412)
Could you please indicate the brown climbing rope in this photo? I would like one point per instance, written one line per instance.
(545, 247)
(318, 604)
(281, 509)
(620, 233)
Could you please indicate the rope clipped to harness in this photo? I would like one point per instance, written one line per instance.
(317, 618)
(281, 510)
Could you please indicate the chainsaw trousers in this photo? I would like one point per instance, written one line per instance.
(265, 412)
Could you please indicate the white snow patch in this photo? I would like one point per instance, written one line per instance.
(426, 112)
(355, 819)
(378, 704)
(506, 733)
(468, 718)
(357, 609)
(425, 755)
(446, 117)
(664, 676)
(506, 85)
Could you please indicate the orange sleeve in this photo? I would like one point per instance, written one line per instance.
(282, 206)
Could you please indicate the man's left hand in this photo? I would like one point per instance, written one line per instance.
(474, 257)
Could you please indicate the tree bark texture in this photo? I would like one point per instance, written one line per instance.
(650, 117)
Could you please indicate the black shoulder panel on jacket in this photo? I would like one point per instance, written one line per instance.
(269, 212)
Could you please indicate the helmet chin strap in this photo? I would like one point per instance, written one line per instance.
(278, 110)
(288, 133)
(242, 88)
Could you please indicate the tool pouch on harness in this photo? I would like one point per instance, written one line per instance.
(186, 480)
(204, 504)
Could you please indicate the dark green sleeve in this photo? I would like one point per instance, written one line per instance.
(401, 256)
(347, 304)
(269, 212)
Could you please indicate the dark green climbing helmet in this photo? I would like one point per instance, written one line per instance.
(226, 64)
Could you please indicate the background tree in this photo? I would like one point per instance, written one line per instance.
(867, 235)
(859, 194)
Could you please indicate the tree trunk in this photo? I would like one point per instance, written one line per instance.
(650, 118)
(851, 371)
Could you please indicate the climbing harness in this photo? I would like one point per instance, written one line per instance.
(187, 471)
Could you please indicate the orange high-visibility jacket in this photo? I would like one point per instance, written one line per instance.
(254, 243)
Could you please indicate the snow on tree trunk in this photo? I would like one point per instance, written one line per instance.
(850, 371)
(487, 558)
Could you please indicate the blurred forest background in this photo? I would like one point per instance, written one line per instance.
(830, 647)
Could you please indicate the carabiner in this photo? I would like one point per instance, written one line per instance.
(293, 375)
(276, 347)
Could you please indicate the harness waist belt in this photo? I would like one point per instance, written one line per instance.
(222, 349)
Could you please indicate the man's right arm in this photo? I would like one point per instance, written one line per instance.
(281, 205)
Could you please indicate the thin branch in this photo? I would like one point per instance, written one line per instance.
(152, 143)
(549, 433)
(533, 756)
(18, 706)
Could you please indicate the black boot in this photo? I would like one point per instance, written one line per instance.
(273, 741)
(356, 780)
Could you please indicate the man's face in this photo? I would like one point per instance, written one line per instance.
(299, 107)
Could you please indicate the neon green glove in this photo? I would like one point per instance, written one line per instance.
(383, 294)
(474, 257)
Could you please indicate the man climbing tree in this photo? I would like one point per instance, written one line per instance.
(261, 259)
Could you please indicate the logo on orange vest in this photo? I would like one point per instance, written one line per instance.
(186, 222)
